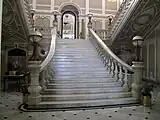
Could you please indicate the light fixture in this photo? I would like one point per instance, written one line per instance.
(55, 21)
(35, 37)
(137, 41)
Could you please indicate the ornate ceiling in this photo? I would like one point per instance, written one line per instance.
(142, 21)
(13, 26)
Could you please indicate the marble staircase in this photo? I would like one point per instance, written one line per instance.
(80, 79)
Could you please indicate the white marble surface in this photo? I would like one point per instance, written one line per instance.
(9, 103)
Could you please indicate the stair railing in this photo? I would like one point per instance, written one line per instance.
(116, 67)
(44, 66)
(102, 33)
(124, 12)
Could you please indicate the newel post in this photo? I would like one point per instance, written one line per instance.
(137, 67)
(137, 79)
(34, 89)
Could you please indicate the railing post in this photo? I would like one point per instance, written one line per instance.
(120, 74)
(89, 25)
(137, 66)
(125, 80)
(34, 89)
(137, 79)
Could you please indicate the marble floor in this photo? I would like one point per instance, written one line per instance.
(9, 103)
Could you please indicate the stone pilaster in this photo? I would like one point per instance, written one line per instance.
(34, 89)
(137, 79)
(1, 4)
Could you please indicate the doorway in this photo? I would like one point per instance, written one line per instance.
(68, 25)
(69, 22)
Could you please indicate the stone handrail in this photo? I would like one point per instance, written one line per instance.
(124, 12)
(115, 65)
(25, 7)
(51, 50)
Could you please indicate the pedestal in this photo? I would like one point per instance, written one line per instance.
(137, 79)
(34, 89)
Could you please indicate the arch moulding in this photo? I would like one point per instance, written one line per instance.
(69, 3)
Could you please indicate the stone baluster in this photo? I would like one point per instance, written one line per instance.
(125, 80)
(43, 79)
(110, 65)
(34, 89)
(116, 71)
(112, 68)
(120, 74)
(106, 59)
(46, 75)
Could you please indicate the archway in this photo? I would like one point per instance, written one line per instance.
(69, 22)
(68, 25)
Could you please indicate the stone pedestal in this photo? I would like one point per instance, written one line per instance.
(34, 89)
(137, 79)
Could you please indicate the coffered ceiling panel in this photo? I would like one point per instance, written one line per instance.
(81, 3)
(95, 4)
(59, 2)
(43, 2)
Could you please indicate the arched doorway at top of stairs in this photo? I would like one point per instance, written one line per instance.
(68, 25)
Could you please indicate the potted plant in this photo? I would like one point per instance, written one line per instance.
(146, 95)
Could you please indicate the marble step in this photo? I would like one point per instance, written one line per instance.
(79, 72)
(85, 96)
(78, 81)
(87, 103)
(74, 66)
(81, 77)
(83, 90)
(75, 60)
(55, 75)
(82, 85)
(77, 49)
(78, 62)
(79, 69)
(74, 57)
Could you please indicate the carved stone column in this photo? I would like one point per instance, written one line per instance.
(77, 27)
(34, 89)
(82, 29)
(137, 79)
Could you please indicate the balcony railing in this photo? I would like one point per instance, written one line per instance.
(124, 12)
